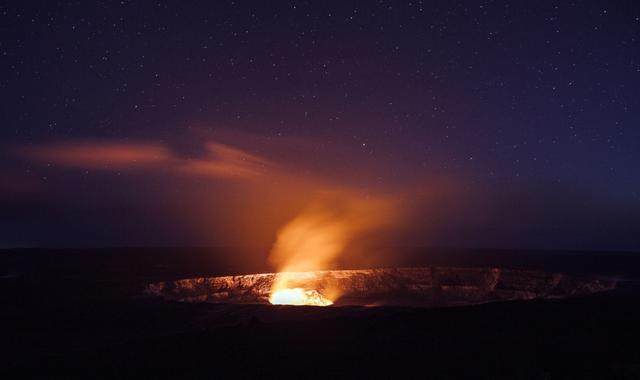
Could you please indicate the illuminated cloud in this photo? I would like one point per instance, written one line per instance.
(97, 155)
(220, 160)
(228, 162)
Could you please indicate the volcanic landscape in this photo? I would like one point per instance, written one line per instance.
(109, 313)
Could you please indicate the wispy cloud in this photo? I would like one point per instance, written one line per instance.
(228, 162)
(97, 155)
(219, 160)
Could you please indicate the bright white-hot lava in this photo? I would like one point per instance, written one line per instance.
(298, 296)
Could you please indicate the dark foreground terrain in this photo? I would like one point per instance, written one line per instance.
(82, 313)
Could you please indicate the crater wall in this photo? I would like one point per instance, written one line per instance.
(427, 287)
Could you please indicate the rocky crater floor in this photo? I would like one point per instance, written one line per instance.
(423, 287)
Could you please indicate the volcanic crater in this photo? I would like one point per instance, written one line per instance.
(416, 287)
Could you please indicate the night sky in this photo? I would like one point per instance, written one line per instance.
(497, 124)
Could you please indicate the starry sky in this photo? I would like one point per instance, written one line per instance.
(508, 124)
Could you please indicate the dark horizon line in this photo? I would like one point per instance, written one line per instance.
(431, 247)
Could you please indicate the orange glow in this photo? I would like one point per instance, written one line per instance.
(322, 231)
(319, 235)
